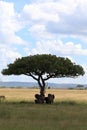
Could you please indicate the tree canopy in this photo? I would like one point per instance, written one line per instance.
(43, 67)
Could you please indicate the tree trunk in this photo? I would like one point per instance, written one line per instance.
(41, 83)
(42, 91)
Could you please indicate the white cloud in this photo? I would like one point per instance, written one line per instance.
(58, 47)
(9, 24)
(45, 21)
(7, 53)
(40, 13)
(61, 17)
(49, 18)
(74, 23)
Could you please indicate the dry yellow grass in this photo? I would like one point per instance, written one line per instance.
(16, 94)
(19, 94)
(72, 95)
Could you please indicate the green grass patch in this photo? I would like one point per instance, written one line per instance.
(25, 115)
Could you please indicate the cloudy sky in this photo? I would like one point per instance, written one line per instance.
(43, 26)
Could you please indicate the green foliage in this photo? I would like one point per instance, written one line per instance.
(49, 65)
(43, 67)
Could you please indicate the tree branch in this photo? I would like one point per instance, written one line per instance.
(49, 76)
(30, 74)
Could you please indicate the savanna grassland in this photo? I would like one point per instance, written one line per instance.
(19, 112)
(26, 94)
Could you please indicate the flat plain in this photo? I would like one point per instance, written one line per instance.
(26, 94)
(19, 112)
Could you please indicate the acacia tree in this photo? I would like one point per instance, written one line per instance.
(43, 67)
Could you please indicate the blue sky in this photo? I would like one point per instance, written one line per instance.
(31, 27)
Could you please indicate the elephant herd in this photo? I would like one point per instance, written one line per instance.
(41, 99)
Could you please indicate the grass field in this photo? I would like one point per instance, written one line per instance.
(17, 94)
(18, 112)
